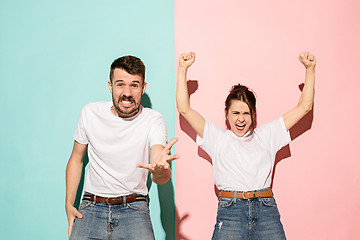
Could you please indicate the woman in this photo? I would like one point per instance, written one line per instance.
(243, 157)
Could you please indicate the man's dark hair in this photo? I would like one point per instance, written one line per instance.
(130, 64)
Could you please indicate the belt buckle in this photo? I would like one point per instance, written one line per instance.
(130, 198)
(243, 195)
(106, 200)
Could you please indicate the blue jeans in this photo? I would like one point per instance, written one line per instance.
(256, 218)
(104, 221)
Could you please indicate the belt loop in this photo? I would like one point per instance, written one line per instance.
(94, 199)
(124, 200)
(272, 192)
(258, 192)
(235, 195)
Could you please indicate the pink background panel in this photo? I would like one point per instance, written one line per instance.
(257, 44)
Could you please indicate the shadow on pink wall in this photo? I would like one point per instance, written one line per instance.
(193, 85)
(300, 127)
(178, 221)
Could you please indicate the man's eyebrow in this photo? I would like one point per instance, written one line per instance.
(120, 80)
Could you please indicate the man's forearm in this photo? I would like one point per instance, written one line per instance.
(73, 176)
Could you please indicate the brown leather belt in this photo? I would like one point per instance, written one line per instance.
(247, 195)
(114, 200)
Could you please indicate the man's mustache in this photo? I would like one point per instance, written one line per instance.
(127, 98)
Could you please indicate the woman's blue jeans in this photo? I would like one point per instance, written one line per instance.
(104, 221)
(256, 218)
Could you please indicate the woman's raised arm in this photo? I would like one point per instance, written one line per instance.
(196, 121)
(307, 96)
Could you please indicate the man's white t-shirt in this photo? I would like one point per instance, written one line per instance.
(116, 145)
(243, 163)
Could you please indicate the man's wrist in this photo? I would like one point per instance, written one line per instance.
(69, 205)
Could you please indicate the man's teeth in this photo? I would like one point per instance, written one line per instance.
(126, 102)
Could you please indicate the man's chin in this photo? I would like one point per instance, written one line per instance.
(127, 112)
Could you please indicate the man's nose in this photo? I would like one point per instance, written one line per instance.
(127, 92)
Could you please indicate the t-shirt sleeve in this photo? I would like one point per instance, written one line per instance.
(158, 133)
(276, 134)
(211, 136)
(80, 132)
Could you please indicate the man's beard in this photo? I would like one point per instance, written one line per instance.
(127, 112)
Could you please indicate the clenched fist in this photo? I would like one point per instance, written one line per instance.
(307, 59)
(186, 60)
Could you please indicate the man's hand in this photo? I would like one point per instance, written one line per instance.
(308, 60)
(160, 163)
(186, 60)
(72, 213)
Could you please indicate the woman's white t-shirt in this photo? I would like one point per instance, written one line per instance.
(244, 163)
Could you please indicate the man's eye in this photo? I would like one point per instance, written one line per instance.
(134, 85)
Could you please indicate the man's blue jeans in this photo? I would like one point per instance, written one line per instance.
(104, 221)
(256, 218)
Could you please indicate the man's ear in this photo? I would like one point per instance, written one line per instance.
(144, 88)
(110, 86)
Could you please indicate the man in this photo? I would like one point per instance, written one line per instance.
(123, 141)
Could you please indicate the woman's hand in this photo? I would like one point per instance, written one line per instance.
(307, 59)
(186, 60)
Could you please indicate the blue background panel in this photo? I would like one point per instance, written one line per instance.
(55, 57)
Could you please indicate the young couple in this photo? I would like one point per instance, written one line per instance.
(124, 141)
